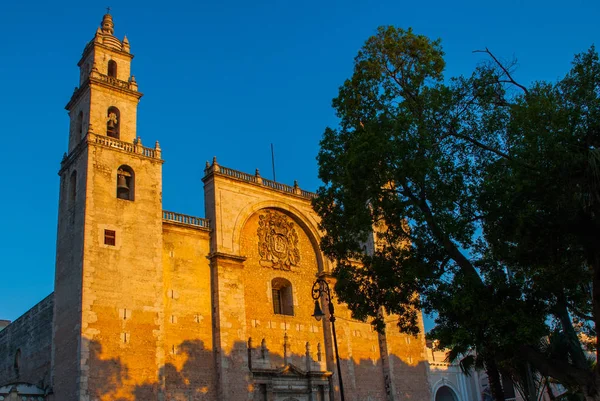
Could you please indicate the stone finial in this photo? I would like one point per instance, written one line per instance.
(286, 349)
(308, 358)
(258, 177)
(207, 165)
(137, 145)
(98, 35)
(125, 44)
(90, 130)
(296, 188)
(94, 71)
(157, 150)
(215, 165)
(264, 351)
(133, 83)
(107, 25)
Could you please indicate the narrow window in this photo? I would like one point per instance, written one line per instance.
(73, 188)
(113, 122)
(110, 237)
(283, 303)
(17, 362)
(112, 68)
(80, 123)
(125, 183)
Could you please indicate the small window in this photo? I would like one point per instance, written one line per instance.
(283, 303)
(73, 188)
(17, 362)
(80, 123)
(112, 68)
(113, 122)
(110, 237)
(125, 183)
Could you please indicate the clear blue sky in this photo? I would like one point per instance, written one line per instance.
(225, 79)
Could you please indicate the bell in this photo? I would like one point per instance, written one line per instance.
(122, 183)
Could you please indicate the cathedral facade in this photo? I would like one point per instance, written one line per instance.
(156, 305)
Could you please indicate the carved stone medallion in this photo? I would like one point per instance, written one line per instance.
(277, 241)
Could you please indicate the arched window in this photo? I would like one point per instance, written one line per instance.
(445, 393)
(73, 188)
(283, 299)
(113, 122)
(80, 124)
(112, 68)
(125, 183)
(17, 362)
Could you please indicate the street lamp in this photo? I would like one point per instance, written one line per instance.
(321, 287)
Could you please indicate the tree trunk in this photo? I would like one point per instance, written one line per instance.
(494, 379)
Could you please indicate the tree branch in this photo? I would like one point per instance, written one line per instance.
(504, 69)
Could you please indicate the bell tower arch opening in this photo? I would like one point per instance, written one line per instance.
(113, 121)
(125, 183)
(112, 68)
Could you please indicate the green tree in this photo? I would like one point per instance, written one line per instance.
(448, 180)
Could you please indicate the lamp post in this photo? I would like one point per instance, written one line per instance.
(321, 287)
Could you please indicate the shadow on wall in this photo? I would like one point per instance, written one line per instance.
(110, 377)
(196, 378)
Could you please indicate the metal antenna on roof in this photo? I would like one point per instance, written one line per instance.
(273, 161)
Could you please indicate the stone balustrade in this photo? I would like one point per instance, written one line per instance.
(117, 83)
(185, 219)
(135, 147)
(257, 179)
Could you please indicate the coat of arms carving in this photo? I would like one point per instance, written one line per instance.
(277, 241)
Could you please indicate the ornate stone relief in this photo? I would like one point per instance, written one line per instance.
(277, 241)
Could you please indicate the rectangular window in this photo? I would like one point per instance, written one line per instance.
(110, 237)
(277, 302)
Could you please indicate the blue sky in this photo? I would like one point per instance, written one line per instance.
(225, 79)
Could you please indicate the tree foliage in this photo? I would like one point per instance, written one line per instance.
(477, 193)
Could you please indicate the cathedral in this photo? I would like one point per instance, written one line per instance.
(150, 304)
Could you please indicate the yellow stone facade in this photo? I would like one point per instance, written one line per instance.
(154, 305)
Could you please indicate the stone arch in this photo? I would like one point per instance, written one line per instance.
(309, 227)
(444, 390)
(112, 68)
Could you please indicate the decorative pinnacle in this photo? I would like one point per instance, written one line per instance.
(107, 24)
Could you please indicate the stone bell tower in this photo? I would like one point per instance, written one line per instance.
(108, 283)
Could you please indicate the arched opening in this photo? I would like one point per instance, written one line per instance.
(73, 188)
(283, 299)
(445, 393)
(125, 183)
(80, 124)
(17, 361)
(112, 68)
(113, 122)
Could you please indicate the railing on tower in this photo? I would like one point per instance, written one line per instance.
(135, 147)
(257, 179)
(185, 219)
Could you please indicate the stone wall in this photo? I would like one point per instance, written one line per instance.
(26, 344)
